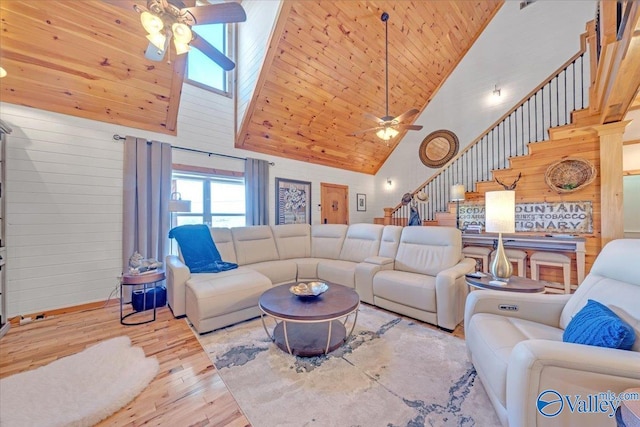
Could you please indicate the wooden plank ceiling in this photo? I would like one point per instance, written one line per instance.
(325, 68)
(328, 68)
(86, 59)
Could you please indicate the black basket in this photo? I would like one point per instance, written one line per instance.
(138, 298)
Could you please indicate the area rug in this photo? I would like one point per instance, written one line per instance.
(77, 390)
(392, 372)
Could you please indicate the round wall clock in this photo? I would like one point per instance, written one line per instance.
(438, 148)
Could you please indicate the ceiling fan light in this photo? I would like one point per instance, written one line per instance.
(158, 40)
(151, 23)
(181, 47)
(387, 134)
(181, 33)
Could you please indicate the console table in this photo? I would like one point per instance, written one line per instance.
(551, 243)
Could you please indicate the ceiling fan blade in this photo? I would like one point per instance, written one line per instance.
(214, 54)
(406, 115)
(360, 132)
(409, 127)
(374, 118)
(217, 13)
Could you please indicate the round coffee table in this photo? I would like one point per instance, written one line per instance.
(309, 326)
(514, 284)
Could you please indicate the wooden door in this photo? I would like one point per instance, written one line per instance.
(334, 202)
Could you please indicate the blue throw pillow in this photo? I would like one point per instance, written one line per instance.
(597, 325)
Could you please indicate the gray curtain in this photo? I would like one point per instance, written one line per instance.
(256, 184)
(147, 190)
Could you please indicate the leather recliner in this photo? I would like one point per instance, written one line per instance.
(515, 342)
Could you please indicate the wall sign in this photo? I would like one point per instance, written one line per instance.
(556, 217)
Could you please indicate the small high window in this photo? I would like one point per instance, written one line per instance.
(202, 71)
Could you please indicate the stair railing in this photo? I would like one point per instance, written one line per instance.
(548, 105)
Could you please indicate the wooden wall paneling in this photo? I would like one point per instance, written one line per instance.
(533, 188)
(611, 180)
(272, 51)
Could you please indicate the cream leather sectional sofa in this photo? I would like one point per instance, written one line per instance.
(415, 271)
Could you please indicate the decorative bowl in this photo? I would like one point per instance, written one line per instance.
(311, 289)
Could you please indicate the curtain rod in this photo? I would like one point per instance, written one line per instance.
(117, 137)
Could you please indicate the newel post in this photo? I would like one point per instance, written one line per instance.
(388, 214)
(612, 218)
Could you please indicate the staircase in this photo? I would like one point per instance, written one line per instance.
(596, 86)
(557, 102)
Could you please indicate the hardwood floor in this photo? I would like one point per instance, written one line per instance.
(187, 391)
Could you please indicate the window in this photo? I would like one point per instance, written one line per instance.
(216, 200)
(201, 70)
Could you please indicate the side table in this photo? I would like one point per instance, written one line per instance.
(514, 284)
(148, 281)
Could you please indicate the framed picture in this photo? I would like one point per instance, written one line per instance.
(361, 202)
(293, 201)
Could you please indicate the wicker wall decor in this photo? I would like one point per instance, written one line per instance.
(438, 148)
(570, 174)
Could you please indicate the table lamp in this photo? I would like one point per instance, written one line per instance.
(457, 195)
(500, 217)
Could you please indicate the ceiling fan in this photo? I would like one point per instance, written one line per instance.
(388, 126)
(167, 19)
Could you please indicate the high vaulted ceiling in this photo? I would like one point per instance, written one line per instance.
(323, 71)
(328, 70)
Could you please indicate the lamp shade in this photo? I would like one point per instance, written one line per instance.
(151, 23)
(387, 133)
(500, 211)
(181, 47)
(457, 192)
(158, 40)
(176, 204)
(181, 33)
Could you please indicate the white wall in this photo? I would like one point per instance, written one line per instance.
(517, 51)
(64, 195)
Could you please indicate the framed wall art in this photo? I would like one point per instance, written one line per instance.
(361, 202)
(293, 201)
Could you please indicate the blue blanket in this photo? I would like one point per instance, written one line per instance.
(198, 249)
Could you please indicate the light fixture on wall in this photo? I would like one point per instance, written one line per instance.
(496, 91)
(500, 217)
(3, 72)
(389, 182)
(457, 195)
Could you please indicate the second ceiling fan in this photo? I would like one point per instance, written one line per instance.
(388, 126)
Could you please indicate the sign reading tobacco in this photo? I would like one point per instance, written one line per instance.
(557, 217)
